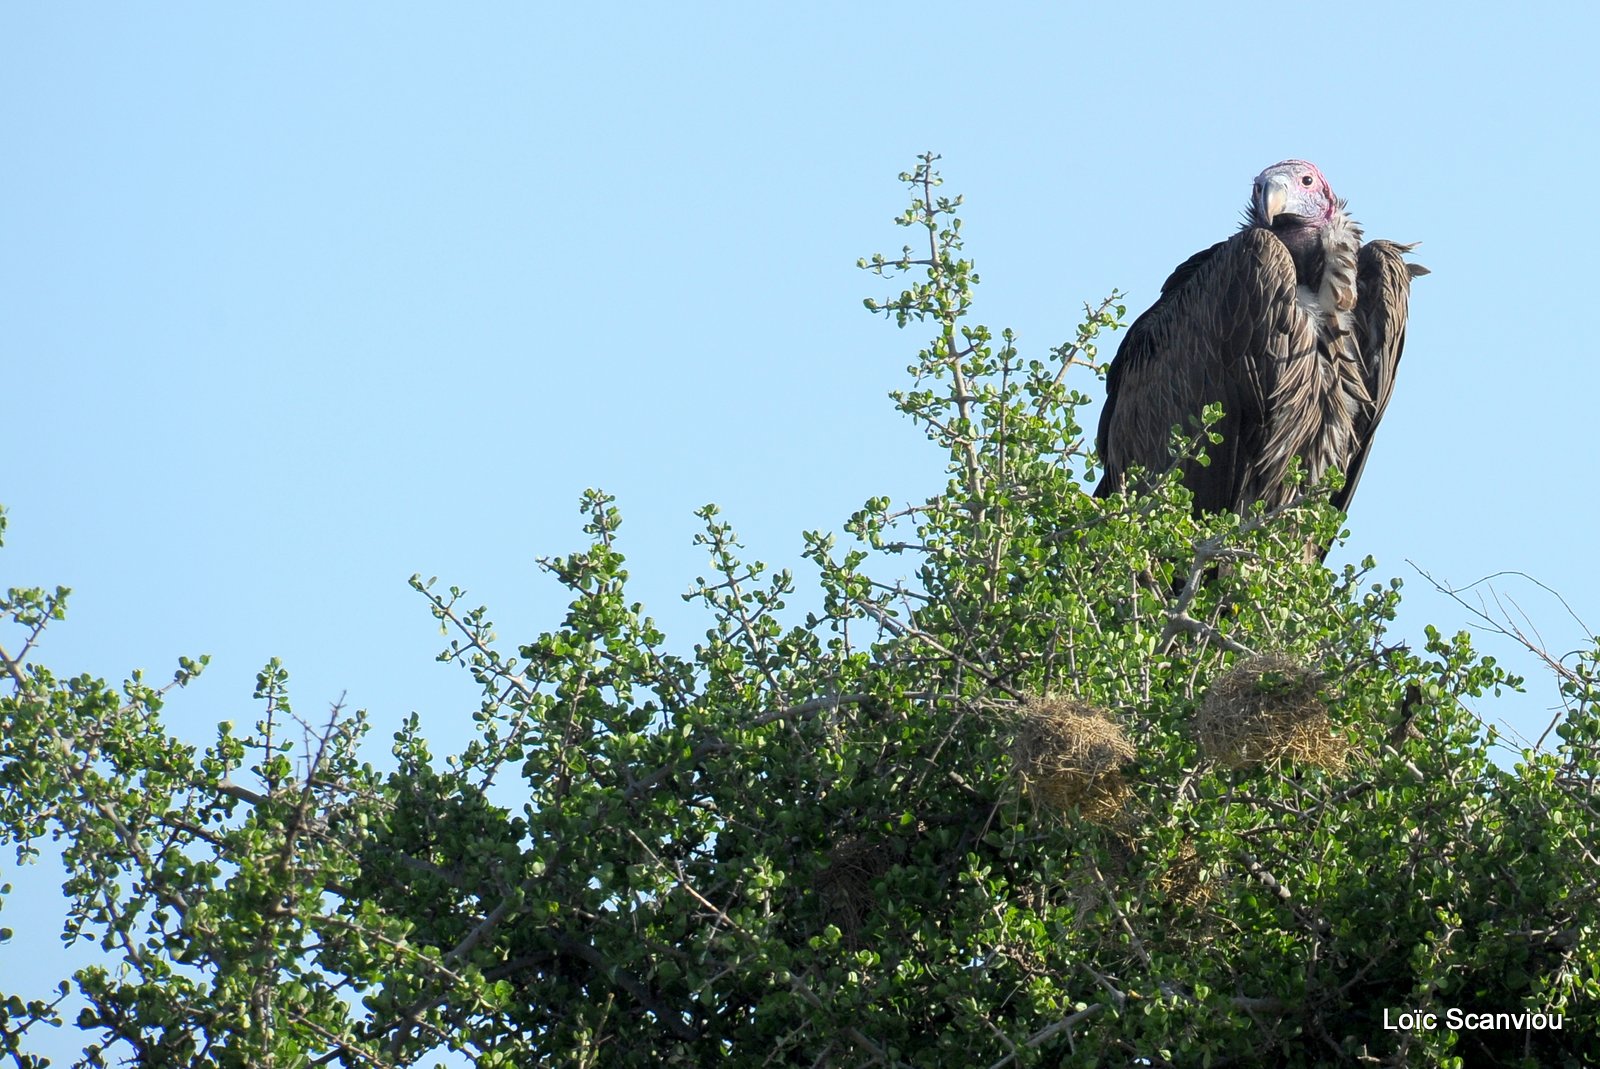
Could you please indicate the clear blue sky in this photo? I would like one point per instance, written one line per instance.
(297, 301)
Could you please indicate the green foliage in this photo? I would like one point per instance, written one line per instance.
(806, 842)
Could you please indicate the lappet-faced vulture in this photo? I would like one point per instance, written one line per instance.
(1293, 324)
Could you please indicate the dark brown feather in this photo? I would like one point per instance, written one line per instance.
(1383, 295)
(1225, 324)
(1292, 380)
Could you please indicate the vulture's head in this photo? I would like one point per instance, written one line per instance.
(1295, 188)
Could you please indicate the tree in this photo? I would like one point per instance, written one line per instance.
(1045, 781)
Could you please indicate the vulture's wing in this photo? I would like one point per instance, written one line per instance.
(1383, 292)
(1225, 322)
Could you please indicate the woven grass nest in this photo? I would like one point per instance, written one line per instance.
(1181, 881)
(1269, 709)
(1069, 755)
(854, 864)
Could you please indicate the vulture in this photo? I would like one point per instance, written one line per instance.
(1294, 325)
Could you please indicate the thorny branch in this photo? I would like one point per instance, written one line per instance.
(1506, 626)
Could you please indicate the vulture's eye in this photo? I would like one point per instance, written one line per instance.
(1305, 180)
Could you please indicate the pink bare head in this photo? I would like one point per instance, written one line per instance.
(1293, 187)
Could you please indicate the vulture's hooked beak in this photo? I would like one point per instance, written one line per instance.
(1271, 197)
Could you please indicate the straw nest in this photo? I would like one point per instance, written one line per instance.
(845, 883)
(1069, 755)
(1182, 880)
(1265, 710)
